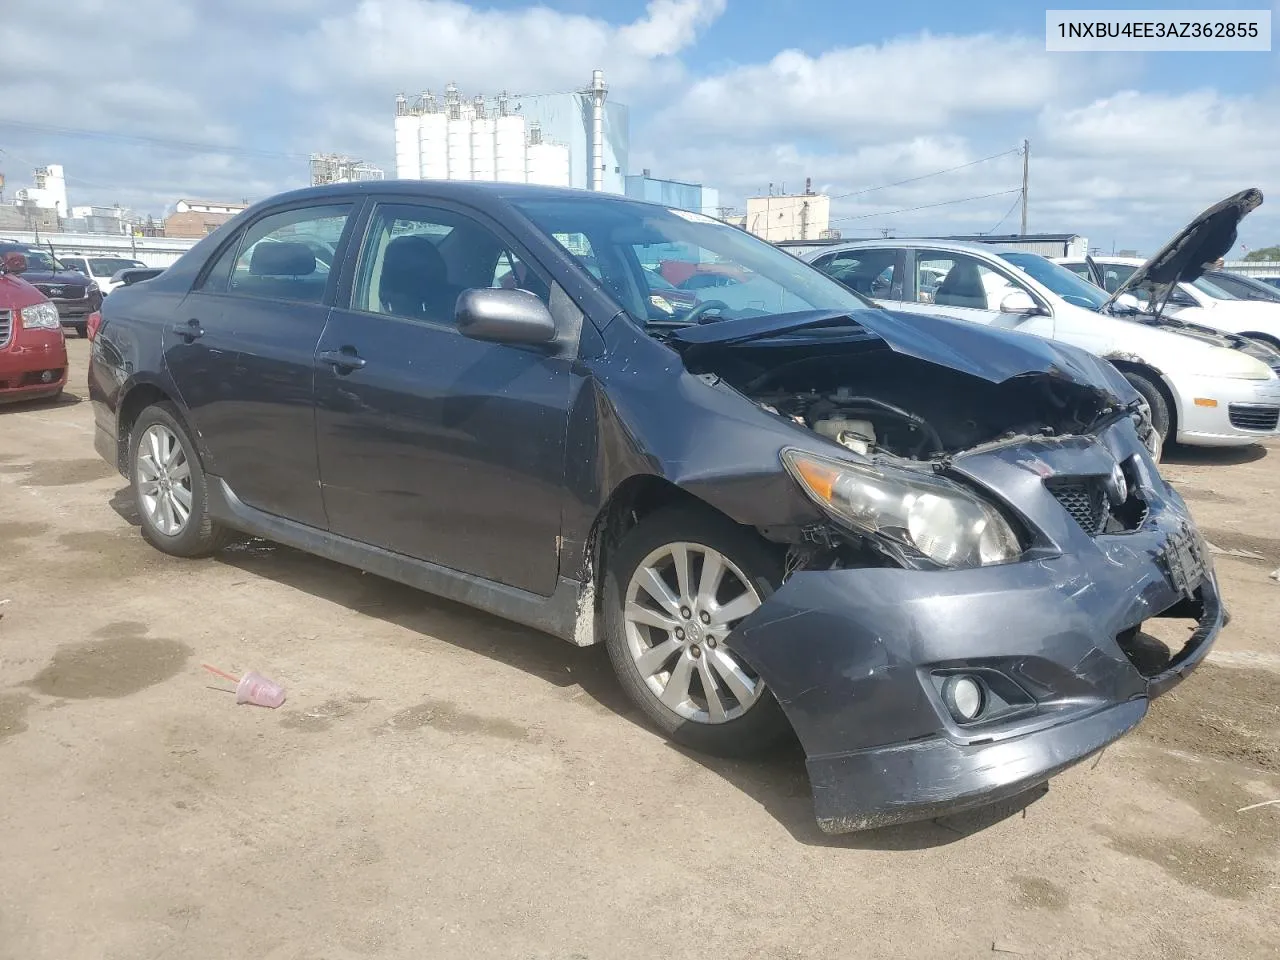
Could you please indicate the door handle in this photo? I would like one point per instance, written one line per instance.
(344, 360)
(189, 331)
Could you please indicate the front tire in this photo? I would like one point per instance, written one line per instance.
(169, 486)
(1161, 417)
(679, 582)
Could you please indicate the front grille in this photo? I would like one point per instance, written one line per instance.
(1253, 416)
(64, 291)
(6, 327)
(1083, 498)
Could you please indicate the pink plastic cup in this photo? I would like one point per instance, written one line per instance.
(258, 690)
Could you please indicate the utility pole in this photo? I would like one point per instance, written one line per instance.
(1026, 164)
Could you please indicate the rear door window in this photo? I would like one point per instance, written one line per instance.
(289, 255)
(872, 273)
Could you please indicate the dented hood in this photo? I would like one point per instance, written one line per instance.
(990, 354)
(1194, 250)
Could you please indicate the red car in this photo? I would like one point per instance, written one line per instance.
(33, 353)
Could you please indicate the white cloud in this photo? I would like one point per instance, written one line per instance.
(265, 82)
(909, 83)
(287, 78)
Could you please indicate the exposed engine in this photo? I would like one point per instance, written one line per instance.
(884, 402)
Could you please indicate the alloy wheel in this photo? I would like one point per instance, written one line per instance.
(164, 480)
(681, 602)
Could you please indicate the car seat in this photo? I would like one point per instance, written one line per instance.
(415, 281)
(962, 287)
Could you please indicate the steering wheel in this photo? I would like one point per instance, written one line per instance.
(696, 313)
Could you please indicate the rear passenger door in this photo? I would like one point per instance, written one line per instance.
(874, 272)
(241, 353)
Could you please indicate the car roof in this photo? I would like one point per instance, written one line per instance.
(1124, 261)
(463, 190)
(955, 246)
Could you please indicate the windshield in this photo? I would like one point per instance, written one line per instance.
(38, 260)
(1058, 279)
(105, 266)
(633, 250)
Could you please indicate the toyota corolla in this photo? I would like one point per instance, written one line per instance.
(925, 548)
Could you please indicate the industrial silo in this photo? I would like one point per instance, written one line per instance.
(408, 153)
(483, 157)
(509, 144)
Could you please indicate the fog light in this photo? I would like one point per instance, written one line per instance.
(46, 376)
(964, 697)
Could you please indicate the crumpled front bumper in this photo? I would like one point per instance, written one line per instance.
(850, 655)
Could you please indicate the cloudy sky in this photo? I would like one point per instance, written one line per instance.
(153, 100)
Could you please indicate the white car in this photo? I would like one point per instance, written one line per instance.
(1201, 301)
(100, 269)
(1202, 388)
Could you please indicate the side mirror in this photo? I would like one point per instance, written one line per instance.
(14, 263)
(1129, 303)
(504, 316)
(1019, 302)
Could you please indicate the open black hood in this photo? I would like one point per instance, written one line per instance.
(1194, 250)
(990, 354)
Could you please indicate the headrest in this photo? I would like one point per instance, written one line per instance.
(282, 260)
(415, 254)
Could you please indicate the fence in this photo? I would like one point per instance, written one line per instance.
(153, 251)
(1254, 268)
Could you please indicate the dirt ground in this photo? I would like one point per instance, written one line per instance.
(441, 783)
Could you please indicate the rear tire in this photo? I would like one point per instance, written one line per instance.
(169, 486)
(668, 652)
(1161, 416)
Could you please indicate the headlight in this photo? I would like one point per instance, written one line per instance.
(1231, 365)
(942, 521)
(42, 316)
(93, 287)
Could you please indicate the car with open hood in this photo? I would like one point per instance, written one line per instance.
(1240, 286)
(33, 353)
(1203, 386)
(784, 510)
(75, 295)
(1203, 303)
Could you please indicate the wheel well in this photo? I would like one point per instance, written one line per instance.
(135, 401)
(1153, 375)
(635, 498)
(1265, 338)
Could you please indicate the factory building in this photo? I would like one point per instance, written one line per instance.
(335, 168)
(577, 139)
(693, 197)
(49, 191)
(780, 217)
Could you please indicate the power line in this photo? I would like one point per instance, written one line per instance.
(927, 206)
(1012, 207)
(926, 176)
(153, 141)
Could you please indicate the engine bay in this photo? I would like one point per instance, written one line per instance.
(879, 402)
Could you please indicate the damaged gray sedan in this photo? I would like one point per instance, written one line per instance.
(924, 548)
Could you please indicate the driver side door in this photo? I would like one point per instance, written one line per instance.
(965, 287)
(431, 444)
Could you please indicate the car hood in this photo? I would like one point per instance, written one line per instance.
(990, 354)
(1194, 249)
(55, 276)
